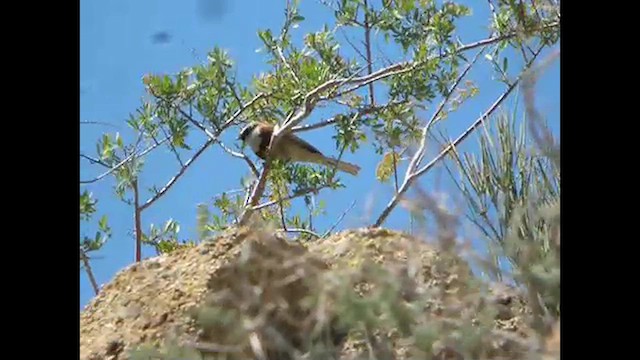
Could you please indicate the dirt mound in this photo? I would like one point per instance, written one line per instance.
(250, 294)
(147, 302)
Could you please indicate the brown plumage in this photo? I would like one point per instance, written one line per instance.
(289, 147)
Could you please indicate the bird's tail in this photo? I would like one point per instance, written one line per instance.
(341, 165)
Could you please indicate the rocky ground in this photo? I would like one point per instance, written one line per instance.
(262, 279)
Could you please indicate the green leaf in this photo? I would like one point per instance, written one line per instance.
(107, 147)
(103, 223)
(168, 225)
(385, 167)
(119, 140)
(407, 5)
(266, 37)
(87, 205)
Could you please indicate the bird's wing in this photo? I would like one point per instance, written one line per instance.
(303, 144)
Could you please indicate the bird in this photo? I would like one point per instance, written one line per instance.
(289, 148)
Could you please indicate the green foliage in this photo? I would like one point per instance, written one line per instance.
(165, 239)
(230, 209)
(208, 96)
(513, 194)
(88, 207)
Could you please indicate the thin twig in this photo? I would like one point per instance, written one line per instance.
(226, 124)
(173, 180)
(242, 156)
(88, 122)
(346, 37)
(344, 213)
(87, 267)
(173, 148)
(233, 91)
(401, 68)
(124, 161)
(137, 220)
(317, 125)
(524, 54)
(413, 175)
(283, 218)
(247, 197)
(184, 167)
(300, 230)
(243, 108)
(395, 168)
(417, 158)
(215, 137)
(367, 43)
(297, 194)
(286, 64)
(493, 12)
(228, 192)
(535, 8)
(95, 161)
(364, 111)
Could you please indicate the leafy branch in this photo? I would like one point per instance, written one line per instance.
(316, 95)
(414, 173)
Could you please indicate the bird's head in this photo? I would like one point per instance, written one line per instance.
(246, 131)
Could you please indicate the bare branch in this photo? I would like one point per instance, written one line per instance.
(404, 67)
(417, 158)
(364, 111)
(493, 10)
(367, 42)
(95, 161)
(215, 137)
(177, 176)
(137, 220)
(87, 267)
(173, 148)
(286, 64)
(344, 213)
(243, 108)
(413, 175)
(317, 125)
(395, 69)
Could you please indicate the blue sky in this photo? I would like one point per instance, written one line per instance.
(117, 49)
